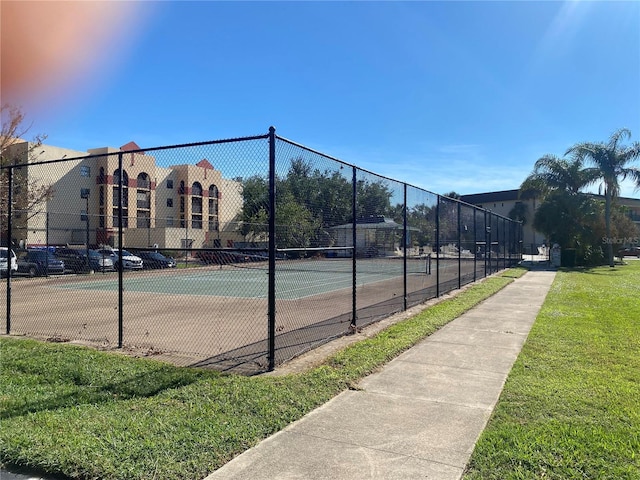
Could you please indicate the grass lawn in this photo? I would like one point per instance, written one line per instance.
(570, 408)
(88, 414)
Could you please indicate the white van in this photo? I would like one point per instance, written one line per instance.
(4, 260)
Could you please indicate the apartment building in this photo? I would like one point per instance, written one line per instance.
(176, 206)
(502, 203)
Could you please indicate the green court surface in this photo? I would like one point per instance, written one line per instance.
(300, 280)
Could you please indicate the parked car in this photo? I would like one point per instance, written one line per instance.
(129, 261)
(155, 260)
(99, 262)
(223, 257)
(39, 262)
(5, 263)
(629, 252)
(73, 258)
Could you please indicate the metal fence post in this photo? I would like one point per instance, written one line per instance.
(405, 241)
(271, 294)
(475, 244)
(9, 235)
(487, 245)
(120, 240)
(459, 248)
(438, 246)
(354, 238)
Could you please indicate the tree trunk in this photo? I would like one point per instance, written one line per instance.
(607, 222)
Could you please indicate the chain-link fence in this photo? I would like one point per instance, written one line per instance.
(234, 254)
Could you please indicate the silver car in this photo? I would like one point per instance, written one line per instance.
(99, 262)
(129, 261)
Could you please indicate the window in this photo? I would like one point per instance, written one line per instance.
(169, 221)
(125, 197)
(143, 181)
(196, 189)
(85, 171)
(125, 219)
(213, 208)
(196, 205)
(142, 219)
(143, 199)
(169, 183)
(196, 211)
(169, 202)
(85, 193)
(125, 178)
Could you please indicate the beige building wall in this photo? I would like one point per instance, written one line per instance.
(60, 217)
(502, 203)
(206, 202)
(174, 207)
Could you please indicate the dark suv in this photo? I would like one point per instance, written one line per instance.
(74, 259)
(39, 262)
(155, 260)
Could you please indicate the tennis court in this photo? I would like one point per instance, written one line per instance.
(295, 279)
(218, 317)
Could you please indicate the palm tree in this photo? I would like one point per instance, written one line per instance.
(557, 183)
(552, 173)
(611, 164)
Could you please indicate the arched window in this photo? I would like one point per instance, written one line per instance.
(196, 189)
(125, 178)
(143, 181)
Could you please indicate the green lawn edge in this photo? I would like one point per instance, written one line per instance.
(81, 413)
(569, 408)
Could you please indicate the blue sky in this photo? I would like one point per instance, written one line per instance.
(462, 96)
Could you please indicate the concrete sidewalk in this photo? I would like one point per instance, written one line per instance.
(421, 415)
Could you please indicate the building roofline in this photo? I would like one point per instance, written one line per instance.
(499, 196)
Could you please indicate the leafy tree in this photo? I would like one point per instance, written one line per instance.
(453, 194)
(296, 226)
(563, 213)
(373, 198)
(611, 162)
(29, 193)
(423, 218)
(519, 213)
(566, 219)
(308, 202)
(255, 208)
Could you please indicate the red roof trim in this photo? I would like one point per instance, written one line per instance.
(204, 163)
(129, 147)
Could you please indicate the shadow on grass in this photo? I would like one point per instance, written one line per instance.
(144, 384)
(594, 269)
